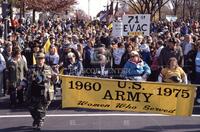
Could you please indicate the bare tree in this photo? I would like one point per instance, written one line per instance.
(53, 6)
(176, 4)
(193, 6)
(146, 6)
(49, 5)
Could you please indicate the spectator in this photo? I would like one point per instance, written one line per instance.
(17, 68)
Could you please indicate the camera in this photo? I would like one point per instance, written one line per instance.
(39, 78)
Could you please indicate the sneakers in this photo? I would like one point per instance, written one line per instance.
(37, 126)
(41, 124)
(34, 125)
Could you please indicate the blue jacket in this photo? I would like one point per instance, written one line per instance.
(132, 70)
(75, 69)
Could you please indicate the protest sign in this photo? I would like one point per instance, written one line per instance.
(138, 24)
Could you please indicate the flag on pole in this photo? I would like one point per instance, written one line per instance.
(111, 8)
(47, 46)
(103, 16)
(110, 26)
(116, 9)
(34, 60)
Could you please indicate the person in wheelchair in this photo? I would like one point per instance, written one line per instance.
(173, 73)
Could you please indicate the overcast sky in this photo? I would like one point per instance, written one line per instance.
(95, 6)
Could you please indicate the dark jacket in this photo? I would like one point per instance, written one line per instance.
(75, 69)
(167, 53)
(16, 71)
(40, 82)
(103, 71)
(190, 63)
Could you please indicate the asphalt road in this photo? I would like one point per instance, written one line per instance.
(84, 120)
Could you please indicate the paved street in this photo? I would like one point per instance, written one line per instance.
(83, 120)
(134, 55)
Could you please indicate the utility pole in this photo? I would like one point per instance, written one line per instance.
(159, 11)
(23, 9)
(89, 7)
(184, 2)
(6, 12)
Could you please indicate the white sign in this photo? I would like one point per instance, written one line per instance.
(117, 29)
(171, 18)
(138, 24)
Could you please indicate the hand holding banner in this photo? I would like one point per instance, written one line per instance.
(106, 94)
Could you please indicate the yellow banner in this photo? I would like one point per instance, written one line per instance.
(135, 33)
(121, 95)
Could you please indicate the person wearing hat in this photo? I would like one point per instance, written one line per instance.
(171, 50)
(40, 89)
(135, 68)
(72, 66)
(17, 69)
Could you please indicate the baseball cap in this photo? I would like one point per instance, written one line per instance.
(40, 55)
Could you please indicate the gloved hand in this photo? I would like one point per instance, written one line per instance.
(175, 79)
(144, 77)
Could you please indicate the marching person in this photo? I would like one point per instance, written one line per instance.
(52, 59)
(40, 89)
(135, 68)
(194, 67)
(173, 73)
(73, 66)
(102, 68)
(171, 50)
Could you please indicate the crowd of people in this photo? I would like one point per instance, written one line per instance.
(170, 54)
